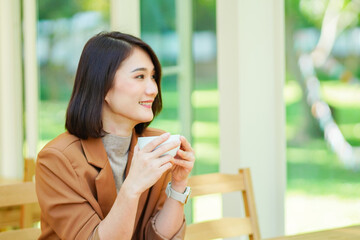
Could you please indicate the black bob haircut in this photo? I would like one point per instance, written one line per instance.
(99, 61)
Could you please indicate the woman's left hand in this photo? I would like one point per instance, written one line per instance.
(183, 163)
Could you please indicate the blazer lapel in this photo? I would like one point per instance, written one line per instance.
(144, 195)
(104, 182)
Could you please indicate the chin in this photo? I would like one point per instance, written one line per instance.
(147, 119)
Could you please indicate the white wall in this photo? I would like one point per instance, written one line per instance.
(252, 122)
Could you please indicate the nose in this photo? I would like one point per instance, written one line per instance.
(151, 88)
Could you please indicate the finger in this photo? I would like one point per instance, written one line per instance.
(185, 144)
(156, 142)
(136, 150)
(189, 156)
(183, 163)
(166, 166)
(165, 159)
(166, 147)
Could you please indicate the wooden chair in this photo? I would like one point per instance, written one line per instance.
(225, 227)
(23, 216)
(15, 195)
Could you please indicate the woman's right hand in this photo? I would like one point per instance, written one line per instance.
(147, 164)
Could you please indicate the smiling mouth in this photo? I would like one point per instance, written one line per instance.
(146, 104)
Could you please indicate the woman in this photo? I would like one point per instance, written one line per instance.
(93, 182)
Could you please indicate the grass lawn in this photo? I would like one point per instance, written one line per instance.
(321, 192)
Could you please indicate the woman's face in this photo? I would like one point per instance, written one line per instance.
(130, 99)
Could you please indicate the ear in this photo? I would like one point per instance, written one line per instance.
(107, 98)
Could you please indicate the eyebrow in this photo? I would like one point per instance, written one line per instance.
(140, 69)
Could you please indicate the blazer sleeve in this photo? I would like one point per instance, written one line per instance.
(61, 197)
(152, 233)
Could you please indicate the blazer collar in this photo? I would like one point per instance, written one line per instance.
(104, 182)
(95, 152)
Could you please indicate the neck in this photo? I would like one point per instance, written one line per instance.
(117, 125)
(121, 131)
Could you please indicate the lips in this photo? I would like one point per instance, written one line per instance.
(146, 104)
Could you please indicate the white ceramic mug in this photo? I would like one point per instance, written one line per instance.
(142, 141)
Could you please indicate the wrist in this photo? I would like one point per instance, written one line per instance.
(181, 197)
(179, 186)
(130, 190)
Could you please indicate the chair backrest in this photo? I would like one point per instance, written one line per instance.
(225, 227)
(14, 195)
(29, 169)
(23, 216)
(29, 213)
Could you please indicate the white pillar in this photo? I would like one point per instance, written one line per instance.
(11, 125)
(125, 16)
(185, 60)
(251, 72)
(30, 77)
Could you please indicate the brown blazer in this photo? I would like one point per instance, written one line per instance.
(76, 189)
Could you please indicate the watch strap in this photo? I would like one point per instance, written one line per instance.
(181, 197)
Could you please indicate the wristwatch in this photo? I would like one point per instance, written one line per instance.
(181, 197)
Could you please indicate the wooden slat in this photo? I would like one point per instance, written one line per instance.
(17, 194)
(23, 234)
(28, 210)
(10, 216)
(219, 228)
(249, 203)
(346, 233)
(4, 181)
(215, 183)
(29, 169)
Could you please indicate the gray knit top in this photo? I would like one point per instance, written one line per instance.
(117, 149)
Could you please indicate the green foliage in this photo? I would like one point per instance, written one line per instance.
(313, 11)
(313, 169)
(157, 15)
(204, 10)
(295, 15)
(50, 9)
(55, 83)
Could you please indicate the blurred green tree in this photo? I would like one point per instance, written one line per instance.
(50, 9)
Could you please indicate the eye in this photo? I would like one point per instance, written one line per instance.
(141, 76)
(153, 76)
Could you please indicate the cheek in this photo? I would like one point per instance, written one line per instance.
(126, 86)
(120, 91)
(129, 88)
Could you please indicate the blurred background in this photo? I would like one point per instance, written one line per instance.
(321, 93)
